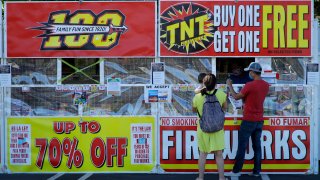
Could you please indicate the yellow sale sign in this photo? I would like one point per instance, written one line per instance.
(74, 144)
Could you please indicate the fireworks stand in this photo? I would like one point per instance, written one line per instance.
(107, 86)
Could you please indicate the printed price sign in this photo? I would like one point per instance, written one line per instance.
(95, 144)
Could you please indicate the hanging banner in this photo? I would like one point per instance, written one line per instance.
(87, 144)
(87, 29)
(285, 144)
(235, 28)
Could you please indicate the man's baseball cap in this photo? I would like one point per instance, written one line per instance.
(256, 67)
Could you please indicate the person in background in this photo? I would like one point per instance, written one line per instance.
(253, 94)
(209, 142)
(200, 80)
(238, 76)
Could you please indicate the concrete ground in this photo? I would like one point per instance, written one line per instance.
(101, 176)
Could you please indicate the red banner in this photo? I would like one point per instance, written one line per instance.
(73, 29)
(285, 145)
(235, 28)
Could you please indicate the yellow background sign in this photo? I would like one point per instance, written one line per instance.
(71, 144)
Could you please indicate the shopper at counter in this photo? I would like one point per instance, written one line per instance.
(253, 95)
(210, 142)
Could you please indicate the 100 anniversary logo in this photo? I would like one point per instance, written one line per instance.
(82, 30)
(187, 28)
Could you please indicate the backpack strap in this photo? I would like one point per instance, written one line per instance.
(198, 113)
(215, 91)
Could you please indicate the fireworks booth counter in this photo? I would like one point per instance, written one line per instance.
(107, 86)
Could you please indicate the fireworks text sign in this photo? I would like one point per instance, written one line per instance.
(285, 145)
(235, 28)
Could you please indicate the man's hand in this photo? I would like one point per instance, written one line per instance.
(229, 82)
(235, 95)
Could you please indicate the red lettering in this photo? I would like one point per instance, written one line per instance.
(55, 152)
(70, 126)
(42, 144)
(96, 147)
(58, 127)
(83, 126)
(61, 127)
(165, 122)
(94, 127)
(111, 151)
(122, 151)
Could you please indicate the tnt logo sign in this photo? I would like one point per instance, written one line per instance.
(82, 30)
(187, 28)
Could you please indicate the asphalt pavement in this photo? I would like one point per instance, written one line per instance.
(107, 176)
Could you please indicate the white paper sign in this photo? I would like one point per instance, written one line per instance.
(20, 147)
(158, 73)
(236, 104)
(141, 143)
(5, 75)
(157, 93)
(114, 86)
(313, 73)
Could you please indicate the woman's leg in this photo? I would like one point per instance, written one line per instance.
(202, 164)
(220, 164)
